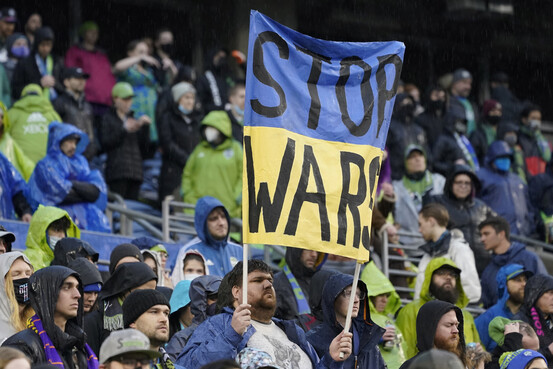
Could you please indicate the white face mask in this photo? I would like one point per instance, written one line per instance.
(53, 241)
(211, 134)
(191, 276)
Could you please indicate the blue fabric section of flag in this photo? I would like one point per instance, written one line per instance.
(291, 68)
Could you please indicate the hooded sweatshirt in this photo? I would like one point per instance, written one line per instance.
(531, 314)
(30, 117)
(215, 170)
(220, 255)
(6, 261)
(500, 308)
(378, 284)
(427, 321)
(406, 317)
(68, 182)
(38, 249)
(289, 298)
(70, 248)
(109, 317)
(44, 289)
(89, 273)
(11, 149)
(366, 334)
(200, 288)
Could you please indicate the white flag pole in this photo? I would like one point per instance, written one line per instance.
(352, 299)
(245, 273)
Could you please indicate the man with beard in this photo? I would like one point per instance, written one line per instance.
(459, 92)
(433, 220)
(537, 310)
(252, 324)
(511, 280)
(442, 282)
(148, 312)
(440, 326)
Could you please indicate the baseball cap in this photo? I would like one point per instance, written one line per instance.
(9, 236)
(8, 15)
(126, 341)
(449, 267)
(519, 272)
(123, 90)
(74, 72)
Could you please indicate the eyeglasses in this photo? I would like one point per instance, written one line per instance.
(134, 363)
(462, 183)
(446, 272)
(359, 294)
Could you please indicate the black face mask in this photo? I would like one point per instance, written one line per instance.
(167, 48)
(21, 290)
(493, 119)
(435, 106)
(406, 111)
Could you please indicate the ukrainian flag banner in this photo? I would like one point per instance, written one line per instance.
(316, 120)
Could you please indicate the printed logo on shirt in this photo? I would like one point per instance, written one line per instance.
(228, 153)
(36, 117)
(233, 261)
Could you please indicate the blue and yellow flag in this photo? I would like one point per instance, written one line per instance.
(316, 120)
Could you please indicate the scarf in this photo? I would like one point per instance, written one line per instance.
(52, 355)
(468, 151)
(303, 305)
(418, 188)
(113, 314)
(45, 68)
(164, 362)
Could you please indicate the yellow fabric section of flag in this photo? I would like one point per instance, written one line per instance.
(308, 193)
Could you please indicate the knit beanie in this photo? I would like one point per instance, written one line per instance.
(138, 302)
(180, 89)
(121, 251)
(496, 329)
(519, 359)
(488, 106)
(460, 74)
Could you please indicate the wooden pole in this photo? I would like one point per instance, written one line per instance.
(352, 299)
(245, 273)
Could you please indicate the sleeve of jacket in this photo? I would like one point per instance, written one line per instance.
(465, 261)
(19, 343)
(470, 331)
(210, 342)
(405, 321)
(167, 140)
(111, 133)
(188, 187)
(93, 328)
(48, 184)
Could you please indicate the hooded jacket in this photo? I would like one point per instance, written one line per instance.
(378, 284)
(12, 196)
(58, 177)
(44, 288)
(29, 118)
(287, 305)
(466, 214)
(70, 248)
(200, 288)
(499, 309)
(315, 317)
(215, 339)
(88, 272)
(11, 149)
(536, 149)
(518, 254)
(214, 83)
(6, 261)
(220, 255)
(215, 170)
(178, 273)
(38, 249)
(535, 287)
(406, 318)
(505, 192)
(540, 188)
(27, 71)
(427, 321)
(453, 246)
(366, 334)
(109, 317)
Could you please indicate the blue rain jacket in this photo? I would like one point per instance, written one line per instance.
(366, 334)
(51, 180)
(221, 256)
(11, 183)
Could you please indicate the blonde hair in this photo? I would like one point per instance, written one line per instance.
(8, 354)
(19, 320)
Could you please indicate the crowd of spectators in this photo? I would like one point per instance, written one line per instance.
(458, 179)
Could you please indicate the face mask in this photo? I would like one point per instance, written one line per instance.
(53, 241)
(460, 127)
(21, 290)
(493, 119)
(511, 140)
(535, 124)
(502, 164)
(211, 309)
(184, 111)
(237, 110)
(211, 134)
(20, 51)
(437, 105)
(167, 48)
(192, 276)
(406, 111)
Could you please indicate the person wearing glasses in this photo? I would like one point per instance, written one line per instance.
(465, 210)
(127, 349)
(366, 334)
